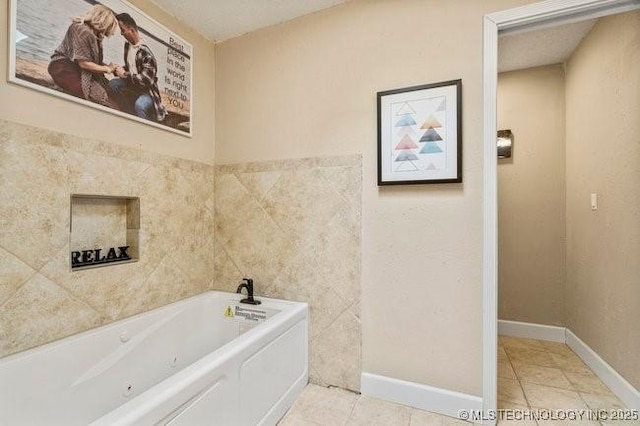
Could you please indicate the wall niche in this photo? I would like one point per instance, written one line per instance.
(104, 231)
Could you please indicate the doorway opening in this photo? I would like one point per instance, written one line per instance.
(533, 17)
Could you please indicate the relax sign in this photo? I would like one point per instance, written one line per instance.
(96, 257)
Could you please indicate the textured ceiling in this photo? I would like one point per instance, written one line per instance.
(536, 48)
(219, 20)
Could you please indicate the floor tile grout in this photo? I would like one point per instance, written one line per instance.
(575, 388)
(319, 401)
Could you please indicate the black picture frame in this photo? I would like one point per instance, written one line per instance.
(420, 134)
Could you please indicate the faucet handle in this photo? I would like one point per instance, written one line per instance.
(248, 282)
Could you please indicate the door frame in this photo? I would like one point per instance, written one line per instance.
(537, 15)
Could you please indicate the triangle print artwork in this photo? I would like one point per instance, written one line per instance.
(406, 131)
(406, 166)
(418, 133)
(430, 148)
(405, 162)
(406, 156)
(406, 120)
(406, 143)
(406, 109)
(431, 122)
(430, 136)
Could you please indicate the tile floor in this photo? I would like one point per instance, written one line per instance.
(532, 375)
(337, 407)
(536, 374)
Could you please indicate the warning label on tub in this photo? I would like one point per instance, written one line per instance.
(250, 314)
(246, 314)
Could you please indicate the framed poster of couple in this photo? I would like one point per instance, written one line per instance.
(104, 54)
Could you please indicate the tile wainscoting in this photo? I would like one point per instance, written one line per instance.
(294, 226)
(41, 299)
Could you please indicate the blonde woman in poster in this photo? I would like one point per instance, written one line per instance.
(77, 64)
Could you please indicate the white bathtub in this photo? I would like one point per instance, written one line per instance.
(182, 364)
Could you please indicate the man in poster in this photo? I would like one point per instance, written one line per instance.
(136, 87)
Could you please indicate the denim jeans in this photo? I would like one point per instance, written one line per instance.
(132, 99)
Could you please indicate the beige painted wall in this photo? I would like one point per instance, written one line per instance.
(308, 88)
(27, 106)
(603, 156)
(531, 203)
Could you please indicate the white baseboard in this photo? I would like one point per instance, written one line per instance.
(528, 330)
(618, 385)
(417, 395)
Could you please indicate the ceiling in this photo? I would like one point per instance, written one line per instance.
(219, 20)
(536, 48)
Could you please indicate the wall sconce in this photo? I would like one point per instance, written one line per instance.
(505, 142)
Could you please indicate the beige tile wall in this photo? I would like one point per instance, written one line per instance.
(294, 227)
(41, 300)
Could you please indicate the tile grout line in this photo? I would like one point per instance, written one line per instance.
(521, 381)
(62, 287)
(29, 277)
(573, 386)
(261, 201)
(145, 281)
(233, 262)
(563, 371)
(353, 409)
(68, 291)
(261, 204)
(528, 403)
